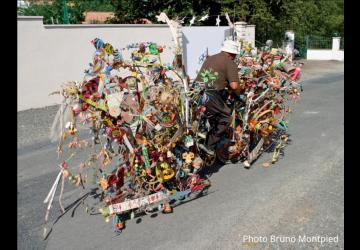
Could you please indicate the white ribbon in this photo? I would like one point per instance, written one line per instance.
(50, 197)
(186, 102)
(128, 144)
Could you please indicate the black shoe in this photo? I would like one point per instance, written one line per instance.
(207, 150)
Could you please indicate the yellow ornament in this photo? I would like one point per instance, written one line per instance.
(104, 183)
(188, 157)
(66, 173)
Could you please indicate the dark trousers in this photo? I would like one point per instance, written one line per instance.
(219, 115)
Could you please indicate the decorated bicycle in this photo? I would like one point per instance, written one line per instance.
(147, 121)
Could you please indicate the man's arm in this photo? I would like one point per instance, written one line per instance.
(233, 78)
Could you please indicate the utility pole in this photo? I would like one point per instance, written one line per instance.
(65, 13)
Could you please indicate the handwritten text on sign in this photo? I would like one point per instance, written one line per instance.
(136, 203)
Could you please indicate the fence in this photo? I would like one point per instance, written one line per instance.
(316, 42)
(342, 44)
(316, 47)
(301, 45)
(320, 49)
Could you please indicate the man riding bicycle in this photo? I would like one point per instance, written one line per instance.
(218, 112)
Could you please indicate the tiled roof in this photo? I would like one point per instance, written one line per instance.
(142, 21)
(97, 16)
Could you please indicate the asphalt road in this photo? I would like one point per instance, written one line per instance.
(301, 195)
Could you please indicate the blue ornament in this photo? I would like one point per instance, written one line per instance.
(117, 56)
(98, 43)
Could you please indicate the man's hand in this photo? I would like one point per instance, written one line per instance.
(236, 88)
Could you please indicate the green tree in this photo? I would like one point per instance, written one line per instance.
(48, 11)
(128, 11)
(187, 9)
(273, 17)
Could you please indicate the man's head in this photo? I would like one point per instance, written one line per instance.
(231, 48)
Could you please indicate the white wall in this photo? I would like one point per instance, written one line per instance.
(245, 31)
(325, 54)
(250, 34)
(319, 54)
(195, 42)
(49, 55)
(338, 55)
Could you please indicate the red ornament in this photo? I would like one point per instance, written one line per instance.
(277, 110)
(117, 178)
(86, 94)
(65, 165)
(85, 106)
